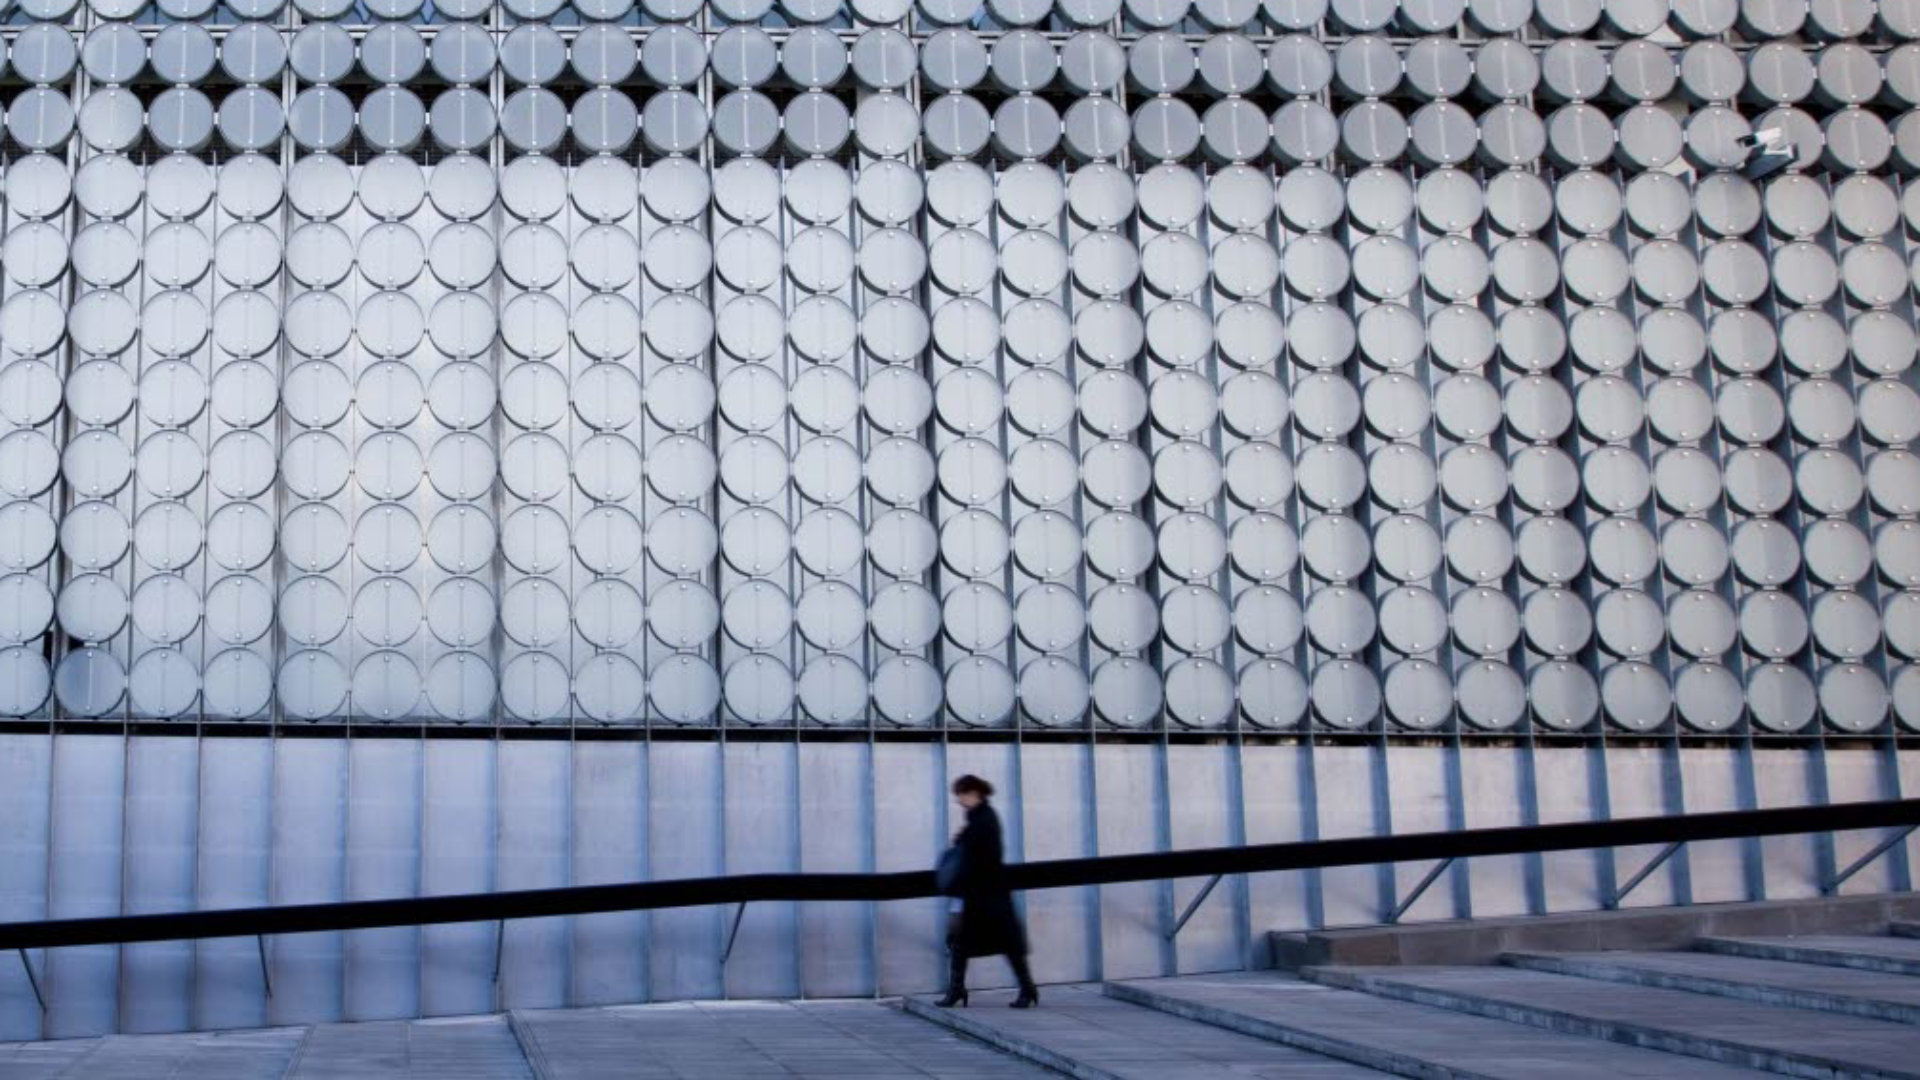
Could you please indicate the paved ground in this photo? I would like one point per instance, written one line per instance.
(235, 1055)
(754, 1039)
(1828, 1005)
(861, 1039)
(456, 1048)
(39, 1061)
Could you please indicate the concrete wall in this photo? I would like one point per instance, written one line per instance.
(98, 824)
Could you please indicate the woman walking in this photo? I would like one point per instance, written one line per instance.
(982, 921)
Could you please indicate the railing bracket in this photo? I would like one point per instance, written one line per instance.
(1194, 905)
(733, 934)
(1833, 884)
(260, 946)
(32, 980)
(1644, 872)
(1433, 875)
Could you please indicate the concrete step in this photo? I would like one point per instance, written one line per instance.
(747, 1039)
(1892, 955)
(1398, 1037)
(1798, 1042)
(450, 1048)
(1483, 940)
(1083, 1033)
(1870, 994)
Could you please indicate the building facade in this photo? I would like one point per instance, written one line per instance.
(473, 446)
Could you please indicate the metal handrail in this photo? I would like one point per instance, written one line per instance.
(1055, 874)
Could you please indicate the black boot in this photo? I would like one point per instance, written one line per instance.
(956, 985)
(1029, 993)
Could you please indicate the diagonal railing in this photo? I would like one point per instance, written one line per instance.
(1902, 815)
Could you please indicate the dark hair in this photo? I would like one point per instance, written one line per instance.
(972, 785)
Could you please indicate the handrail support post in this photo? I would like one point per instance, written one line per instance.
(733, 935)
(266, 977)
(1426, 883)
(32, 980)
(1194, 905)
(1644, 872)
(1833, 884)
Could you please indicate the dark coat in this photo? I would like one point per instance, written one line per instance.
(986, 924)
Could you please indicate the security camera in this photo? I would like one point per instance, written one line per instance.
(1768, 151)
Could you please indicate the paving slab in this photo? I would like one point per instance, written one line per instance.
(41, 1060)
(204, 1055)
(1402, 1038)
(1871, 994)
(453, 1048)
(1795, 1041)
(1083, 1033)
(753, 1039)
(1893, 955)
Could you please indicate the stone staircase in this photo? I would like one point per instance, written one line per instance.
(1843, 1002)
(1822, 989)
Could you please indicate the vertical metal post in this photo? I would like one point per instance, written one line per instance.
(499, 949)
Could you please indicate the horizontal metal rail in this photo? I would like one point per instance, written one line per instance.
(1055, 874)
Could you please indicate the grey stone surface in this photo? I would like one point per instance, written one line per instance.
(1894, 955)
(1870, 994)
(1482, 941)
(211, 1055)
(1084, 1033)
(1777, 1039)
(709, 1040)
(1816, 1004)
(1394, 1036)
(455, 1048)
(42, 1060)
(853, 1039)
(752, 1039)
